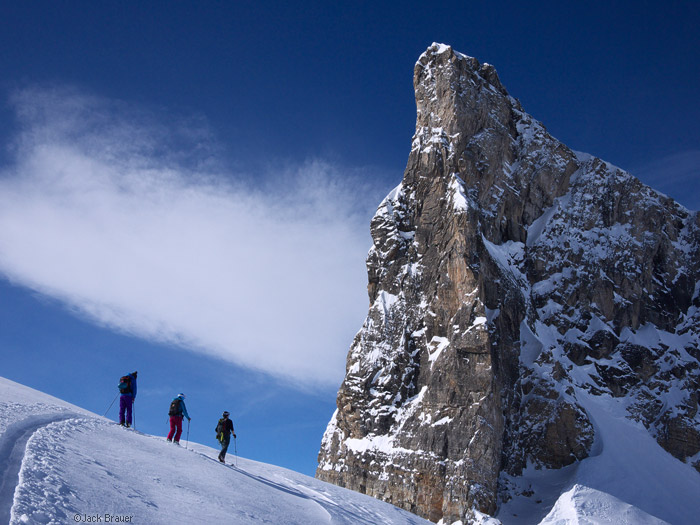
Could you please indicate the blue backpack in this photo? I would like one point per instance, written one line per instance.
(125, 384)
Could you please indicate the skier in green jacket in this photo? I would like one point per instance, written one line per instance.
(223, 433)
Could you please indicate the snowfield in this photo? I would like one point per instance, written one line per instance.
(628, 480)
(60, 464)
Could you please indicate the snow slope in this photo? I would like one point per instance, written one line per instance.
(59, 462)
(62, 464)
(628, 480)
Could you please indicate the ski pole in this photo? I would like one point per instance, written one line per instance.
(235, 452)
(187, 441)
(110, 406)
(133, 409)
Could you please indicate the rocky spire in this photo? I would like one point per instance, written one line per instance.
(509, 278)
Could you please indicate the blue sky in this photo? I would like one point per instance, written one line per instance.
(186, 188)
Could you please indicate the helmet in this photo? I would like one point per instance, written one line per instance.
(181, 395)
(225, 414)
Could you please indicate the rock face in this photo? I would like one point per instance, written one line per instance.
(509, 278)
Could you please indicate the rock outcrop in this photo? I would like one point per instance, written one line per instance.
(510, 277)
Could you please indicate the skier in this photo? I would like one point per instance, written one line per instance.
(127, 387)
(176, 413)
(223, 434)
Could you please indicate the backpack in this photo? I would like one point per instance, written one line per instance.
(220, 430)
(125, 384)
(175, 408)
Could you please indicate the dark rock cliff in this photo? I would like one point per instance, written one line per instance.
(509, 278)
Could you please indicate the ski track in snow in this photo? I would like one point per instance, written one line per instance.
(336, 512)
(13, 443)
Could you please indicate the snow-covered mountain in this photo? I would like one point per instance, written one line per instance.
(60, 464)
(532, 341)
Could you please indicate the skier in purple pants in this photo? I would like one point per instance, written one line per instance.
(127, 387)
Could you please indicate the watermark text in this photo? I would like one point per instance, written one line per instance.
(103, 518)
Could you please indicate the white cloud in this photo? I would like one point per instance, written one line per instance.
(102, 210)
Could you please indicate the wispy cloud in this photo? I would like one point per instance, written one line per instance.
(677, 176)
(129, 219)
